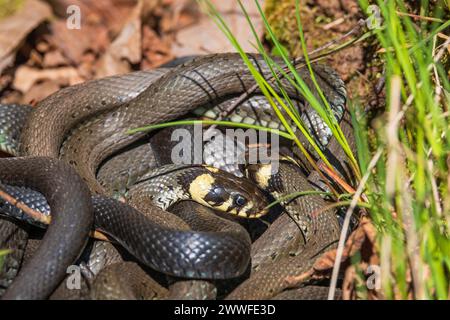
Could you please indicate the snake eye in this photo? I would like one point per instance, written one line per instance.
(240, 200)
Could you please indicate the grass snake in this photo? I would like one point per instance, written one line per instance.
(86, 124)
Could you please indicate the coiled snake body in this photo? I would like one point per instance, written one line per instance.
(86, 126)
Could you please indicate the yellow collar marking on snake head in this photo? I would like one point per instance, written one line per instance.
(263, 175)
(212, 169)
(200, 187)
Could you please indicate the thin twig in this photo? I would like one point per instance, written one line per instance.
(417, 17)
(441, 51)
(40, 217)
(333, 24)
(355, 30)
(345, 226)
(344, 185)
(36, 215)
(394, 117)
(292, 281)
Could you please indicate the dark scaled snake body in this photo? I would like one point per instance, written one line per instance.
(86, 126)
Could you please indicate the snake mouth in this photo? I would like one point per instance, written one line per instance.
(258, 214)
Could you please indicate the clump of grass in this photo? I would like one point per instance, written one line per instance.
(410, 185)
(319, 104)
(407, 188)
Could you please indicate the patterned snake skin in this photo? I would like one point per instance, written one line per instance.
(96, 115)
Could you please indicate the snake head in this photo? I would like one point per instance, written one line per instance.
(225, 192)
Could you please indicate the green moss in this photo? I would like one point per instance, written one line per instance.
(281, 17)
(9, 7)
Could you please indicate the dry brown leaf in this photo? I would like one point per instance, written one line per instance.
(86, 69)
(5, 80)
(156, 51)
(7, 61)
(53, 59)
(348, 286)
(369, 230)
(99, 21)
(26, 76)
(205, 37)
(110, 14)
(40, 91)
(74, 43)
(15, 28)
(176, 15)
(353, 244)
(325, 263)
(293, 281)
(363, 241)
(125, 49)
(149, 6)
